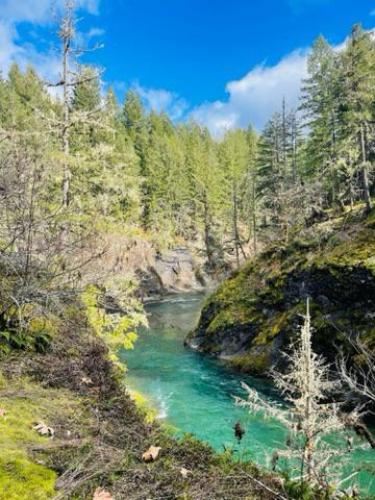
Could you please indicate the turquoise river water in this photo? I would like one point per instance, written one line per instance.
(194, 394)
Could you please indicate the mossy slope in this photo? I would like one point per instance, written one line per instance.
(254, 314)
(25, 474)
(100, 434)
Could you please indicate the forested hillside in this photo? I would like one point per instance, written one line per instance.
(112, 167)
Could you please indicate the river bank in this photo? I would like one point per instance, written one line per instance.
(99, 436)
(193, 393)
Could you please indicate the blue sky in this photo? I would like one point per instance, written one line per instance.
(223, 62)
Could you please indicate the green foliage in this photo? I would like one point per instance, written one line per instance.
(27, 327)
(301, 491)
(149, 413)
(116, 329)
(131, 170)
(130, 167)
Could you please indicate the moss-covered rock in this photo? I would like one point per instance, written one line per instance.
(254, 315)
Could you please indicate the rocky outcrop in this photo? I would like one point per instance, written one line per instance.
(173, 271)
(254, 315)
(153, 273)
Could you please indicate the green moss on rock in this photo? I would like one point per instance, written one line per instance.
(254, 314)
(251, 362)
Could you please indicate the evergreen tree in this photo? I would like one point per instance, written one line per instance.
(85, 106)
(320, 99)
(234, 158)
(271, 169)
(87, 93)
(250, 190)
(358, 101)
(136, 124)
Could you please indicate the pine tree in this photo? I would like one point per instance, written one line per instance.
(111, 105)
(250, 188)
(357, 105)
(207, 194)
(136, 124)
(86, 104)
(271, 169)
(234, 158)
(320, 100)
(86, 94)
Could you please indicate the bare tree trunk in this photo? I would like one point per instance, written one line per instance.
(309, 383)
(65, 134)
(66, 35)
(295, 150)
(30, 229)
(351, 192)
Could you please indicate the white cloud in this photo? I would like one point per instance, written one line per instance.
(9, 50)
(39, 11)
(95, 32)
(163, 100)
(253, 98)
(36, 12)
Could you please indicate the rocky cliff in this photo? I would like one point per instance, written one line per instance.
(172, 271)
(254, 315)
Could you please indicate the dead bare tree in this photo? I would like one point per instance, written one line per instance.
(310, 416)
(70, 79)
(359, 376)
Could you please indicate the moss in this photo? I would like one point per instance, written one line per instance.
(43, 325)
(356, 249)
(23, 475)
(20, 476)
(144, 406)
(274, 326)
(256, 363)
(333, 262)
(21, 479)
(237, 314)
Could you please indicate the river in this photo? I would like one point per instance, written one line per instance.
(194, 394)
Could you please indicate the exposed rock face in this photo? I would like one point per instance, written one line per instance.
(254, 315)
(171, 272)
(135, 259)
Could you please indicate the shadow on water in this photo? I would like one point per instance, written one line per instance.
(194, 393)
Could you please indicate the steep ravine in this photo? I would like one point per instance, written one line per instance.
(254, 314)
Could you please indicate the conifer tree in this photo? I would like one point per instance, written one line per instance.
(320, 100)
(271, 169)
(357, 108)
(250, 188)
(234, 158)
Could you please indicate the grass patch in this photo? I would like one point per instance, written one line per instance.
(23, 474)
(144, 406)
